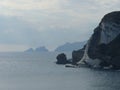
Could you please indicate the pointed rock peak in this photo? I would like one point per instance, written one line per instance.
(112, 17)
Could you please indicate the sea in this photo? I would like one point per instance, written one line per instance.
(38, 71)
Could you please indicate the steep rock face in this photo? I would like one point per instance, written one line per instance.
(108, 30)
(104, 44)
(113, 50)
(77, 55)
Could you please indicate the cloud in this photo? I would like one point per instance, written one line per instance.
(16, 31)
(51, 22)
(34, 10)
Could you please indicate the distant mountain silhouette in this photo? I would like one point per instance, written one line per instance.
(39, 49)
(29, 50)
(70, 46)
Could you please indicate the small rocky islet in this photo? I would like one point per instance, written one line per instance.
(103, 47)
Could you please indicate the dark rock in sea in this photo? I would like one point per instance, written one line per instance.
(61, 59)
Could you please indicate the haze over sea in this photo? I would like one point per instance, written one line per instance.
(37, 71)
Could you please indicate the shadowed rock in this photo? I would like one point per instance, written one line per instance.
(105, 41)
(77, 56)
(61, 59)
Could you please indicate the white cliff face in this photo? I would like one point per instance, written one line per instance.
(87, 59)
(109, 32)
(85, 56)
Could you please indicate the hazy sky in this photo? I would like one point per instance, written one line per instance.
(50, 23)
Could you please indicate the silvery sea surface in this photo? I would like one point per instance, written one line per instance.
(38, 71)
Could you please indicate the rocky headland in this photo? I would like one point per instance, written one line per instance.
(103, 47)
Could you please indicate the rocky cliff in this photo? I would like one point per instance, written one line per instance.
(103, 48)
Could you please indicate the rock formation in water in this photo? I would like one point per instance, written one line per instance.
(103, 48)
(61, 59)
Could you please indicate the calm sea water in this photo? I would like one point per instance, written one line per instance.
(37, 71)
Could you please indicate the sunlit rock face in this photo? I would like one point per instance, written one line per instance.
(104, 41)
(110, 30)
